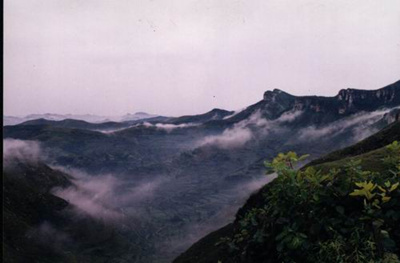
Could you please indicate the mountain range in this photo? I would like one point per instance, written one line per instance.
(168, 181)
(14, 120)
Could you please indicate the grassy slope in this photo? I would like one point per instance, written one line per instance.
(378, 140)
(370, 151)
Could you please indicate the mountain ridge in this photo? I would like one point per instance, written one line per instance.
(325, 109)
(90, 118)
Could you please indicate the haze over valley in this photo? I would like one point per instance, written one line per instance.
(164, 182)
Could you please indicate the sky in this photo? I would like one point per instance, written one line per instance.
(177, 57)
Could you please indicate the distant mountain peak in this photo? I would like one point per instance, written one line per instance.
(323, 109)
(272, 95)
(278, 91)
(386, 95)
(219, 110)
(137, 116)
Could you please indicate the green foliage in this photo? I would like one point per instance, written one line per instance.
(392, 159)
(282, 161)
(343, 215)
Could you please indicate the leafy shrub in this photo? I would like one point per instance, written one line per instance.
(344, 215)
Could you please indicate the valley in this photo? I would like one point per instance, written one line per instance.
(160, 184)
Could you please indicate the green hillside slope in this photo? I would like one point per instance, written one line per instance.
(335, 215)
(378, 140)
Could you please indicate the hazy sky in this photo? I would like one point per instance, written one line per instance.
(183, 57)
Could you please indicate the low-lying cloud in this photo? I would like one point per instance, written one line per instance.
(244, 131)
(22, 151)
(92, 195)
(169, 127)
(103, 196)
(230, 138)
(162, 126)
(361, 123)
(110, 131)
(233, 114)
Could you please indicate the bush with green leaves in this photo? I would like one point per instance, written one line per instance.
(345, 214)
